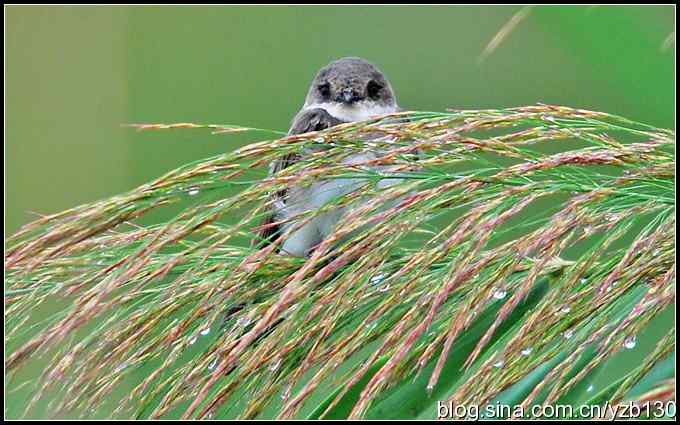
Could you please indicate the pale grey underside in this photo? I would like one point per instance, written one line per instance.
(312, 197)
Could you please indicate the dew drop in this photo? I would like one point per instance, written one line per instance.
(584, 280)
(430, 389)
(527, 351)
(377, 279)
(120, 367)
(590, 388)
(499, 364)
(193, 191)
(500, 293)
(212, 364)
(243, 321)
(384, 288)
(568, 333)
(630, 342)
(192, 341)
(205, 331)
(566, 309)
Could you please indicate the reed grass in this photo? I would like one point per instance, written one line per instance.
(515, 238)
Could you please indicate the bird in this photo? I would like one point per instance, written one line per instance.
(346, 90)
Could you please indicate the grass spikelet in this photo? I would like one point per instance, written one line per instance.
(515, 241)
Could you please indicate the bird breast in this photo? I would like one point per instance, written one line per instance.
(301, 199)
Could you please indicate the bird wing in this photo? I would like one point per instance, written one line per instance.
(307, 120)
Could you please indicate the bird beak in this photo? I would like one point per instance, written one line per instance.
(347, 95)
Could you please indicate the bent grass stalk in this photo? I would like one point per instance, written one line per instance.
(482, 215)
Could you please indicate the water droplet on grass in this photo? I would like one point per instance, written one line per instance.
(568, 333)
(205, 331)
(120, 367)
(377, 279)
(192, 341)
(499, 364)
(630, 342)
(212, 364)
(527, 351)
(193, 191)
(500, 293)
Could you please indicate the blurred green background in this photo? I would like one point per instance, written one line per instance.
(75, 74)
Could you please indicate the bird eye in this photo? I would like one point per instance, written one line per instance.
(324, 90)
(373, 89)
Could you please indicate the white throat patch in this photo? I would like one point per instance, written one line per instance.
(359, 111)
